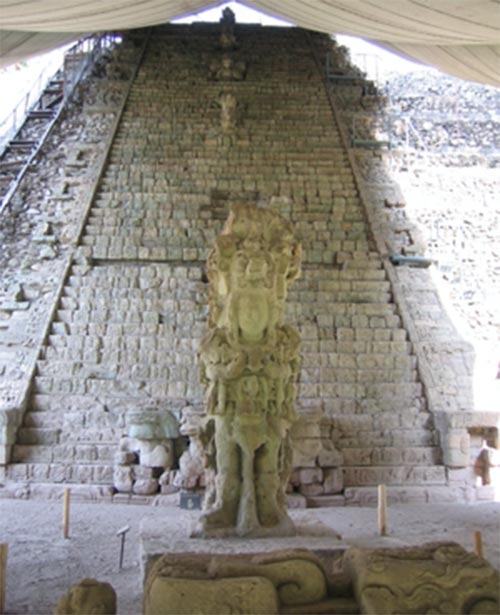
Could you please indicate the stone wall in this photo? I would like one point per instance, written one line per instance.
(124, 336)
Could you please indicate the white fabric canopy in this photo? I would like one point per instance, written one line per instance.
(461, 37)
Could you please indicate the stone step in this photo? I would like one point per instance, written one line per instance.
(407, 494)
(392, 456)
(118, 316)
(402, 410)
(333, 376)
(75, 453)
(382, 438)
(100, 474)
(352, 359)
(338, 308)
(127, 343)
(69, 412)
(39, 435)
(127, 355)
(43, 403)
(43, 420)
(113, 369)
(357, 360)
(361, 476)
(70, 432)
(79, 412)
(125, 388)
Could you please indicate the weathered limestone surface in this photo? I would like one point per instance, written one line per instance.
(435, 578)
(132, 310)
(88, 596)
(261, 583)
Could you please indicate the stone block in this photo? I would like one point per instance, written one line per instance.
(436, 577)
(5, 454)
(329, 457)
(145, 486)
(306, 476)
(171, 596)
(305, 452)
(333, 481)
(139, 472)
(312, 489)
(456, 445)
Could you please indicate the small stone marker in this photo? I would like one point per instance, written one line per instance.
(67, 496)
(3, 575)
(478, 543)
(122, 533)
(382, 510)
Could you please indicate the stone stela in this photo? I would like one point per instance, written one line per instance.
(249, 363)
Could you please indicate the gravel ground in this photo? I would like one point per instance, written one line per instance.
(42, 565)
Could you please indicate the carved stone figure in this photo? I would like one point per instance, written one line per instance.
(229, 109)
(227, 69)
(88, 597)
(227, 39)
(249, 363)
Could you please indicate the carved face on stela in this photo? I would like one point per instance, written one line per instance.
(255, 259)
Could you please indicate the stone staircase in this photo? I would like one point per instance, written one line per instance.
(131, 314)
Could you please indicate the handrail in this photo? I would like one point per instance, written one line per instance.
(26, 103)
(77, 60)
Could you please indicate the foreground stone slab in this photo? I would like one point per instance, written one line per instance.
(439, 577)
(88, 596)
(264, 583)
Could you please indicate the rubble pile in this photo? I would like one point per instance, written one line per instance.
(458, 119)
(451, 193)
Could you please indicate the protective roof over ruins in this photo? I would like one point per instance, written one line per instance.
(460, 37)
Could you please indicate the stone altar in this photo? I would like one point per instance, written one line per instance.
(437, 577)
(249, 363)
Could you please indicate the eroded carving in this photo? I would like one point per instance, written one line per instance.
(227, 69)
(227, 38)
(249, 363)
(434, 578)
(88, 596)
(262, 583)
(228, 112)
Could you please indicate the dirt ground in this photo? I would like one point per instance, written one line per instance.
(42, 565)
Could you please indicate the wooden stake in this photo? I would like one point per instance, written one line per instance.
(478, 543)
(382, 510)
(3, 575)
(67, 495)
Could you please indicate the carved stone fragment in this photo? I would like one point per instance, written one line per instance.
(88, 596)
(227, 38)
(434, 578)
(229, 108)
(227, 69)
(262, 583)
